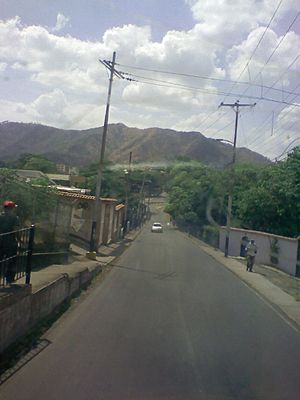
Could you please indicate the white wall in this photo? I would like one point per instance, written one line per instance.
(287, 256)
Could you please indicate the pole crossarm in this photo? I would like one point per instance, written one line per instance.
(111, 67)
(237, 104)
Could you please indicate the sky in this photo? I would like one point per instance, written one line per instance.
(184, 57)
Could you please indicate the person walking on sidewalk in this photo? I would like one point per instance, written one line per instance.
(9, 223)
(251, 253)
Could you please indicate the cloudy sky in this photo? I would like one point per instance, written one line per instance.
(185, 57)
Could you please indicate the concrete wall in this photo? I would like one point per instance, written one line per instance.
(101, 225)
(109, 219)
(81, 220)
(118, 222)
(26, 309)
(287, 255)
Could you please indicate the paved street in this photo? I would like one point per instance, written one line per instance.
(168, 322)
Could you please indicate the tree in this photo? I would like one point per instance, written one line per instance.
(35, 203)
(272, 202)
(264, 198)
(35, 162)
(195, 194)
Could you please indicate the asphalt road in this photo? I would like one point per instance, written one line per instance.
(168, 322)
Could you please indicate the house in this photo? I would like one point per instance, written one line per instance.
(68, 180)
(109, 223)
(29, 175)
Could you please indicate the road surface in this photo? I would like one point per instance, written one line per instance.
(168, 322)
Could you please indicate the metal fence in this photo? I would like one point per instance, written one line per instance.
(15, 255)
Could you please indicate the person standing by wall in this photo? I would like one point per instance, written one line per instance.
(9, 223)
(251, 253)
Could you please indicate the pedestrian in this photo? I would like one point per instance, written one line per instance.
(9, 223)
(251, 253)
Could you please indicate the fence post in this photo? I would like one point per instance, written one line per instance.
(29, 254)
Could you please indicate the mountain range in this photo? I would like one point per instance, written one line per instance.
(81, 147)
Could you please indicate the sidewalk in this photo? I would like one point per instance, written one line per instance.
(107, 254)
(289, 284)
(22, 307)
(278, 288)
(80, 266)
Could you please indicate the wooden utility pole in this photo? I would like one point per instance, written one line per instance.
(97, 205)
(236, 107)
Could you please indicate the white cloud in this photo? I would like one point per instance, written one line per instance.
(61, 22)
(2, 67)
(73, 83)
(288, 122)
(228, 20)
(14, 111)
(69, 66)
(127, 38)
(239, 55)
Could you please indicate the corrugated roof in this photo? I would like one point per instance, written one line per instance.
(58, 177)
(30, 173)
(82, 196)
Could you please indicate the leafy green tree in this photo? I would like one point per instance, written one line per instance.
(195, 194)
(272, 203)
(35, 162)
(34, 203)
(264, 198)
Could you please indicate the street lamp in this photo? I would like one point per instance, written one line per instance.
(225, 140)
(126, 173)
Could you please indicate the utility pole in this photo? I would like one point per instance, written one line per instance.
(236, 107)
(141, 196)
(110, 65)
(127, 174)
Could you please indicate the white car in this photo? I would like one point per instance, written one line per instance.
(157, 227)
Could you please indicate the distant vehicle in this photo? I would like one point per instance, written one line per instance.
(157, 227)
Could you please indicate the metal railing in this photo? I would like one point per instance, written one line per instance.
(15, 255)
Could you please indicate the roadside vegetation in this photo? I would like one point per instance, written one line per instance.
(264, 198)
(35, 201)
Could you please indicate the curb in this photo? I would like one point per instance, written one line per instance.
(281, 302)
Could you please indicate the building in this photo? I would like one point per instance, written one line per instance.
(110, 222)
(67, 180)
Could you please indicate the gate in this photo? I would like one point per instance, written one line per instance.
(15, 255)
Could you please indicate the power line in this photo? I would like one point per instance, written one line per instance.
(163, 83)
(173, 85)
(287, 149)
(212, 124)
(284, 72)
(195, 76)
(221, 129)
(265, 121)
(260, 140)
(260, 40)
(208, 116)
(217, 79)
(277, 46)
